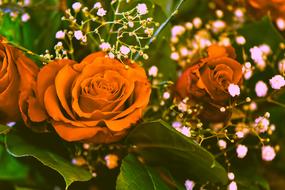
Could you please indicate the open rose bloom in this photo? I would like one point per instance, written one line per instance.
(17, 78)
(207, 82)
(95, 100)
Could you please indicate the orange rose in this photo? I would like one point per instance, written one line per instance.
(207, 82)
(17, 76)
(96, 100)
(276, 7)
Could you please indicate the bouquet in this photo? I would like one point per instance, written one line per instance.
(142, 94)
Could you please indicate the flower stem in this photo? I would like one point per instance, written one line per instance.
(162, 26)
(42, 59)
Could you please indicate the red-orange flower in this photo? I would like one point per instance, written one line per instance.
(207, 82)
(17, 77)
(96, 100)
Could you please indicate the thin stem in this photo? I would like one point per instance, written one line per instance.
(42, 59)
(270, 100)
(162, 26)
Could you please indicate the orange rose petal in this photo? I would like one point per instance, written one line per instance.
(52, 106)
(183, 83)
(46, 78)
(35, 111)
(216, 51)
(90, 58)
(73, 133)
(105, 136)
(125, 122)
(212, 87)
(63, 85)
(142, 94)
(233, 64)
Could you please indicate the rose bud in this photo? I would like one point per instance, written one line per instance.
(17, 77)
(96, 100)
(207, 82)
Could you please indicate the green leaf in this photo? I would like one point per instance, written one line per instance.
(160, 144)
(255, 33)
(135, 175)
(250, 180)
(10, 167)
(20, 147)
(4, 129)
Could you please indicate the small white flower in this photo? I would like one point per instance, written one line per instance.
(265, 49)
(257, 57)
(218, 25)
(197, 22)
(239, 13)
(280, 22)
(240, 40)
(142, 9)
(153, 71)
(222, 144)
(234, 90)
(131, 24)
(252, 106)
(182, 107)
(59, 45)
(124, 50)
(97, 5)
(174, 56)
(177, 30)
(176, 124)
(149, 31)
(240, 134)
(60, 34)
(27, 2)
(78, 34)
(189, 26)
(241, 151)
(111, 55)
(277, 82)
(262, 124)
(76, 6)
(84, 39)
(247, 65)
(231, 176)
(166, 95)
(184, 51)
(105, 46)
(261, 89)
(189, 184)
(268, 153)
(185, 131)
(11, 124)
(101, 12)
(25, 17)
(222, 109)
(247, 74)
(225, 41)
(232, 186)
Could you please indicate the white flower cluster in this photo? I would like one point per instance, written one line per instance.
(259, 55)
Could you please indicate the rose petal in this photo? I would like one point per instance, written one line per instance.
(63, 85)
(73, 133)
(35, 111)
(120, 124)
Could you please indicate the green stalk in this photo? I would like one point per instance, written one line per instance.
(162, 26)
(42, 59)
